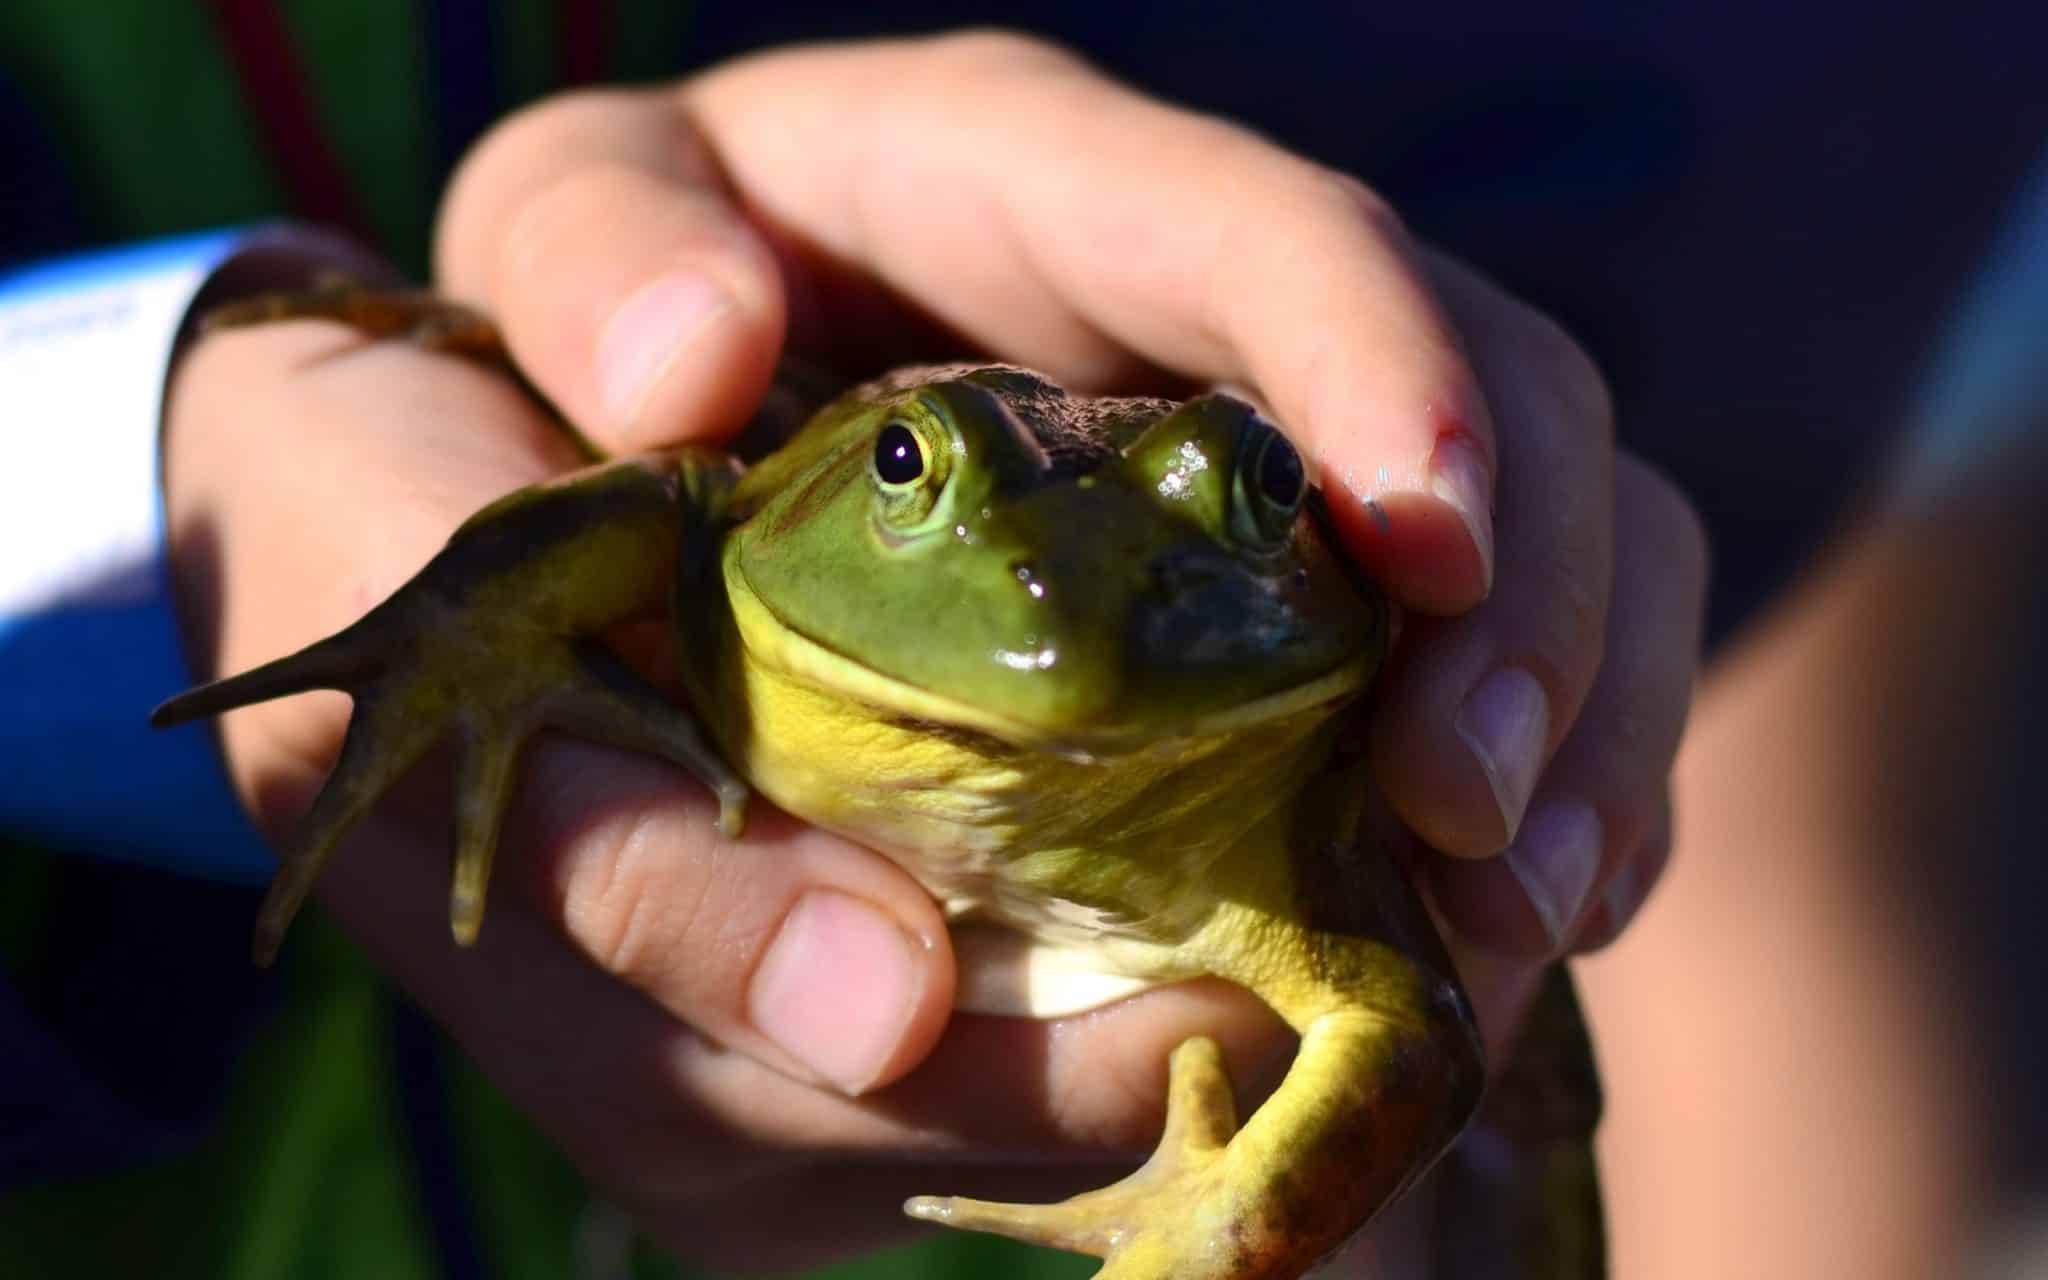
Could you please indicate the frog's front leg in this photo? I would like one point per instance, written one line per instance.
(496, 637)
(1386, 1075)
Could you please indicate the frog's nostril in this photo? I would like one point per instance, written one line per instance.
(1181, 572)
(1028, 578)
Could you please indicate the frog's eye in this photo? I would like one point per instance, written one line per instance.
(909, 467)
(901, 459)
(1268, 489)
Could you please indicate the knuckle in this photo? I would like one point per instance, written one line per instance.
(1666, 518)
(1644, 865)
(1006, 49)
(534, 128)
(1356, 201)
(1629, 885)
(1577, 383)
(627, 907)
(1629, 756)
(551, 215)
(1567, 636)
(524, 143)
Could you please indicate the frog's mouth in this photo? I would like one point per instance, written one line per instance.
(772, 639)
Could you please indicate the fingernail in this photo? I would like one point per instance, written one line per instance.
(1555, 859)
(1506, 721)
(837, 988)
(649, 330)
(1458, 475)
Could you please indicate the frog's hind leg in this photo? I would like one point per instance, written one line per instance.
(1520, 1195)
(428, 320)
(381, 744)
(1201, 1116)
(1387, 1072)
(1379, 1087)
(491, 641)
(414, 316)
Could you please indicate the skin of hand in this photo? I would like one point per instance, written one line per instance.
(702, 1024)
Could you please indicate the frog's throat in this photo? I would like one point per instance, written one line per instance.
(771, 639)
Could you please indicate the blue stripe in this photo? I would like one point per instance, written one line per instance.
(84, 769)
(205, 248)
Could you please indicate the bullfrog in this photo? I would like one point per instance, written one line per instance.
(1088, 667)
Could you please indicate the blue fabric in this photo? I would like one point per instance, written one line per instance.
(77, 681)
(86, 772)
(83, 270)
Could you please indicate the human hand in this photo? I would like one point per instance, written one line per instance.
(579, 225)
(647, 254)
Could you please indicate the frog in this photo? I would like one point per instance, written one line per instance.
(1091, 668)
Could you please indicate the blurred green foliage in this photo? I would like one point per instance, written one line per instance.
(308, 1174)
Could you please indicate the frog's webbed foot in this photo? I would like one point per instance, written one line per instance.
(1370, 1101)
(1130, 1219)
(492, 641)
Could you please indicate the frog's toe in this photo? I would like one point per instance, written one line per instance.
(609, 702)
(483, 784)
(1141, 1224)
(417, 675)
(382, 743)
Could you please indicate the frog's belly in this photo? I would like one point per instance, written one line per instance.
(1040, 859)
(1024, 953)
(1003, 970)
(993, 836)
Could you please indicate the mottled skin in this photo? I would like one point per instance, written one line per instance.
(1084, 666)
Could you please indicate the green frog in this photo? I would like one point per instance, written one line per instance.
(1088, 667)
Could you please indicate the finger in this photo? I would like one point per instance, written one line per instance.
(806, 952)
(1624, 893)
(628, 284)
(1474, 706)
(1605, 795)
(946, 171)
(645, 1103)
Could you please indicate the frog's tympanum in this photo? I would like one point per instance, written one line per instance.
(1086, 667)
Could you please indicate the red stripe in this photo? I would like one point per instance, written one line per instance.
(275, 88)
(584, 30)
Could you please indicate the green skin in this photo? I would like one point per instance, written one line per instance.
(1100, 654)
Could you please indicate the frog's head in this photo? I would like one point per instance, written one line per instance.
(977, 546)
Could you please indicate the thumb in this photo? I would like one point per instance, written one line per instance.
(597, 232)
(801, 949)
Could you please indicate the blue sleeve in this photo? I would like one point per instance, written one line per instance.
(89, 637)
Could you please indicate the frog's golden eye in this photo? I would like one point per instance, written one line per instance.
(909, 467)
(901, 459)
(1267, 492)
